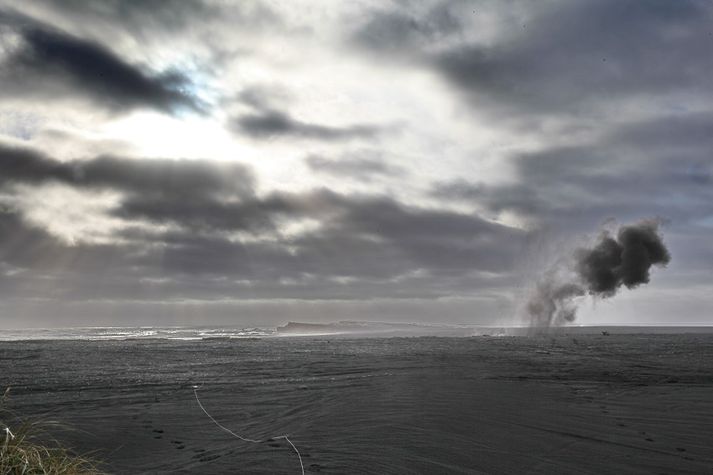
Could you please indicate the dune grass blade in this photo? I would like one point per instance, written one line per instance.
(26, 448)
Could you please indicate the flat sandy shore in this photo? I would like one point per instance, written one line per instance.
(585, 404)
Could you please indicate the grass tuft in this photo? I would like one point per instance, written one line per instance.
(26, 448)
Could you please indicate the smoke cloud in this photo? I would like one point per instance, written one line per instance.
(615, 261)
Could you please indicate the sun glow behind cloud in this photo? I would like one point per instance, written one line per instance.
(188, 136)
(72, 216)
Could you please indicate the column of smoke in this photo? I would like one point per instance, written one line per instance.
(615, 261)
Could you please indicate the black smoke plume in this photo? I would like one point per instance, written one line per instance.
(600, 271)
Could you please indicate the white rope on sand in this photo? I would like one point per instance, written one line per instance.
(245, 439)
(296, 451)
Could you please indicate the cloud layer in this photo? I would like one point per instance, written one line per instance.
(331, 159)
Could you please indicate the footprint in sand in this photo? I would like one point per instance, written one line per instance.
(158, 431)
(179, 445)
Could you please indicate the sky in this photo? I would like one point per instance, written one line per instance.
(188, 162)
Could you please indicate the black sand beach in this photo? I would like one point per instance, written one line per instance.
(512, 405)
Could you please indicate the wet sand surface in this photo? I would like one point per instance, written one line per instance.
(512, 405)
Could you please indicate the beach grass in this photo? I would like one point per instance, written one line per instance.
(27, 448)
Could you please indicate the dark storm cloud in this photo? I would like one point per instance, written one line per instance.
(50, 64)
(264, 97)
(635, 169)
(198, 213)
(495, 198)
(583, 54)
(364, 245)
(149, 18)
(19, 242)
(174, 266)
(148, 177)
(362, 166)
(34, 252)
(443, 241)
(358, 215)
(218, 213)
(268, 124)
(685, 134)
(362, 238)
(357, 233)
(183, 264)
(134, 15)
(400, 32)
(553, 58)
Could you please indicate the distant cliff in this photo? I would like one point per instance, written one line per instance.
(321, 328)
